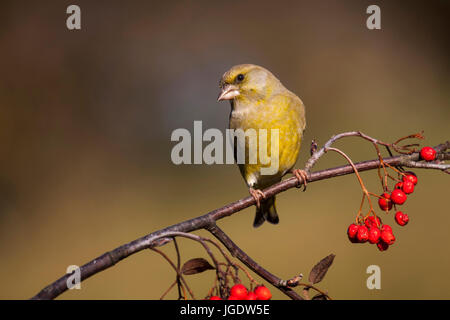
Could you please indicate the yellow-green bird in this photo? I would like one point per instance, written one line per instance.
(259, 101)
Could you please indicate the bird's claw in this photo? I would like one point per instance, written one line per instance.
(302, 177)
(258, 195)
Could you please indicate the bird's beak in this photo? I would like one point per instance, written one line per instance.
(229, 91)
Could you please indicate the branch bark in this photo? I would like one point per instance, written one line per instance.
(208, 220)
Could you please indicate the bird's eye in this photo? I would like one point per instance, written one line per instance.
(240, 77)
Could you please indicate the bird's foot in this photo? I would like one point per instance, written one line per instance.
(258, 195)
(302, 177)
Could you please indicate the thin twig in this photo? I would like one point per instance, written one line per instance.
(307, 286)
(178, 267)
(168, 290)
(177, 270)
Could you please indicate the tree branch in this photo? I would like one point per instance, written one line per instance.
(249, 262)
(208, 220)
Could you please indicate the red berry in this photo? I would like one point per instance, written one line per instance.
(252, 296)
(233, 298)
(387, 237)
(239, 291)
(382, 246)
(428, 153)
(385, 202)
(372, 222)
(408, 187)
(386, 227)
(411, 176)
(398, 185)
(398, 196)
(401, 218)
(363, 234)
(374, 235)
(352, 230)
(215, 298)
(263, 293)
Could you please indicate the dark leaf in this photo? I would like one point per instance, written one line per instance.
(195, 266)
(320, 269)
(319, 297)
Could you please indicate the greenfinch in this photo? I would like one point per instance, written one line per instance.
(259, 101)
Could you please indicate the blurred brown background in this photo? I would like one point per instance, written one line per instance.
(86, 118)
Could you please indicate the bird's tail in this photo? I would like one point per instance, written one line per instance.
(266, 211)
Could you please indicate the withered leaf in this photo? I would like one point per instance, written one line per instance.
(196, 265)
(319, 296)
(320, 269)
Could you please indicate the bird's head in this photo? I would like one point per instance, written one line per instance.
(248, 82)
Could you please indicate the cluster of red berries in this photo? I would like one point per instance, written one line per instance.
(373, 231)
(399, 194)
(240, 292)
